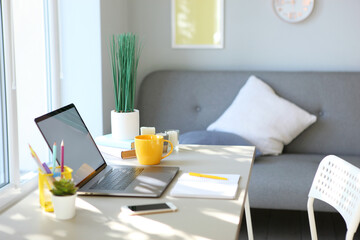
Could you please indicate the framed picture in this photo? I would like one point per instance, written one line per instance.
(197, 23)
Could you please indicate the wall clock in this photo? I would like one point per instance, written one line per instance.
(293, 10)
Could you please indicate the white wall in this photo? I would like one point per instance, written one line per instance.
(80, 40)
(85, 29)
(255, 38)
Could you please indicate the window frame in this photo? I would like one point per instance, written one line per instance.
(15, 190)
(3, 118)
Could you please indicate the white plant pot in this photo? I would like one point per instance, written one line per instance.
(64, 206)
(125, 126)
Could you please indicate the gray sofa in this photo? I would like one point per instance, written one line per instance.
(192, 100)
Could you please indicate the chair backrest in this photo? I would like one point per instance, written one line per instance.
(337, 183)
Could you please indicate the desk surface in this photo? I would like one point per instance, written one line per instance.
(100, 218)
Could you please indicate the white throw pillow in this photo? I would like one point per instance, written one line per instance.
(263, 118)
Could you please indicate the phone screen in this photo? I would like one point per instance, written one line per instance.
(136, 208)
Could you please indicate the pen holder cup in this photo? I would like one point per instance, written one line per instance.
(45, 184)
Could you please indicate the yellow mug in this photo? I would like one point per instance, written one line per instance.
(149, 149)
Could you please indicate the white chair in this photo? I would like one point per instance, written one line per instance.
(337, 183)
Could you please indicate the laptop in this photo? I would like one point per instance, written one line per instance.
(91, 174)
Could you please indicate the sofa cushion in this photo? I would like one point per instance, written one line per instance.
(284, 181)
(214, 138)
(263, 118)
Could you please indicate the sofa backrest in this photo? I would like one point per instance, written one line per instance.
(192, 100)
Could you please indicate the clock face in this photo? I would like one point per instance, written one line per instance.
(293, 10)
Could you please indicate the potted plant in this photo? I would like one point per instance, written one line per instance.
(63, 198)
(125, 53)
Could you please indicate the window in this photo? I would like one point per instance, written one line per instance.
(26, 74)
(31, 80)
(4, 169)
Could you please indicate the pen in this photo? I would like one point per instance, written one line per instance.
(206, 176)
(54, 157)
(62, 156)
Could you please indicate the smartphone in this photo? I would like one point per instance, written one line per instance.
(149, 208)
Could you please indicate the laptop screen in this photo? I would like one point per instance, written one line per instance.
(80, 151)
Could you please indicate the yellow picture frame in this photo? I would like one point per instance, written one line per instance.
(197, 23)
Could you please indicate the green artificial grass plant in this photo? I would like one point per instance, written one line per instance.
(125, 53)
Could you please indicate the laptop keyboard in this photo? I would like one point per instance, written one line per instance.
(118, 178)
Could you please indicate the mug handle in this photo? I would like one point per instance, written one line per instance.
(170, 149)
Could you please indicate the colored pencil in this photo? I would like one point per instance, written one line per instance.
(37, 160)
(62, 156)
(42, 166)
(47, 169)
(54, 157)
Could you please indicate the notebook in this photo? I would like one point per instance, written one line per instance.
(200, 187)
(91, 173)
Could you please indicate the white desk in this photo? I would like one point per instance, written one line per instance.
(100, 218)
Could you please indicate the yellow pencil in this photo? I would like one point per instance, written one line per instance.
(206, 176)
(40, 165)
(36, 158)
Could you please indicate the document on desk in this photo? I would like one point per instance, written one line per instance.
(204, 187)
